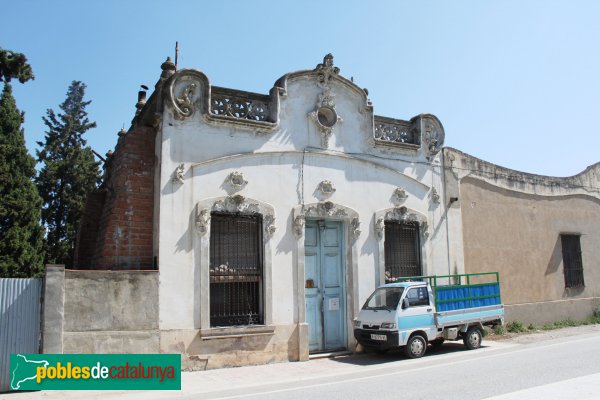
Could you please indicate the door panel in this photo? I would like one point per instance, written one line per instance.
(324, 286)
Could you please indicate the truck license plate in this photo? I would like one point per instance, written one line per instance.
(378, 337)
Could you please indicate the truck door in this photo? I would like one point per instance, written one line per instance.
(418, 315)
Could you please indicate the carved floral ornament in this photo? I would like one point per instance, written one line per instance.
(236, 180)
(179, 173)
(435, 196)
(399, 195)
(234, 204)
(326, 188)
(401, 214)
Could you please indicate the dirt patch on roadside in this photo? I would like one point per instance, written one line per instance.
(540, 335)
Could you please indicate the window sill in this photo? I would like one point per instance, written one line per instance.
(236, 332)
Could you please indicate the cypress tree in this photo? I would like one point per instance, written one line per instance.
(68, 174)
(21, 235)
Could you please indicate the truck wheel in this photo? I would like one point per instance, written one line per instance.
(472, 339)
(416, 346)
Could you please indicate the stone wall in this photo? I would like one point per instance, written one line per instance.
(101, 311)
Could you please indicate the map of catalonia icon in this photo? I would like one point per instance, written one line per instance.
(23, 370)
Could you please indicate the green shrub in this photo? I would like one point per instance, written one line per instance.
(515, 327)
(499, 330)
(531, 327)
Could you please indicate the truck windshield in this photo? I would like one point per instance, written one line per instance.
(384, 298)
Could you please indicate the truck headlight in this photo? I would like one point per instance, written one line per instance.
(357, 323)
(388, 325)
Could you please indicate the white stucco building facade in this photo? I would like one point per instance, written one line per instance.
(296, 191)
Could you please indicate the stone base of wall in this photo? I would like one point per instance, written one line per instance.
(552, 311)
(201, 351)
(111, 342)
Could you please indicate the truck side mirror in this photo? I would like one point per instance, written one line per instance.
(405, 303)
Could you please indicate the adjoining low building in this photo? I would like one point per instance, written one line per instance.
(241, 228)
(542, 233)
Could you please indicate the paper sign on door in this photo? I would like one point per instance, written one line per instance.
(334, 304)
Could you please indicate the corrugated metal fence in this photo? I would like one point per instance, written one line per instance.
(19, 321)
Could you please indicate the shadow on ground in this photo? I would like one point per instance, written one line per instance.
(372, 358)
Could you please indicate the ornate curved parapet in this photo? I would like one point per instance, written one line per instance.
(188, 92)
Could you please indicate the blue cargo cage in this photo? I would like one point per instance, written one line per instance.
(457, 292)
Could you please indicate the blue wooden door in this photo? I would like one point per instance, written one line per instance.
(325, 285)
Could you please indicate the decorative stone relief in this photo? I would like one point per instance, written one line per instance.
(354, 229)
(435, 197)
(399, 195)
(432, 135)
(184, 101)
(326, 188)
(202, 220)
(236, 180)
(325, 209)
(235, 204)
(379, 227)
(390, 131)
(178, 174)
(269, 225)
(239, 106)
(401, 214)
(326, 69)
(325, 116)
(299, 223)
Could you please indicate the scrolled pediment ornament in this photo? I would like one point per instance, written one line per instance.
(236, 204)
(186, 93)
(432, 135)
(325, 209)
(401, 214)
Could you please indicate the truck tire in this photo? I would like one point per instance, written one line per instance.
(472, 338)
(416, 346)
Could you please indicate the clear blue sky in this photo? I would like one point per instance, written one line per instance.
(513, 82)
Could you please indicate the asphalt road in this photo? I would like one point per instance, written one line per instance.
(562, 364)
(561, 368)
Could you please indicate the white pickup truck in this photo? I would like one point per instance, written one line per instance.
(413, 312)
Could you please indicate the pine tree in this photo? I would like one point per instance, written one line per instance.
(68, 174)
(21, 235)
(14, 65)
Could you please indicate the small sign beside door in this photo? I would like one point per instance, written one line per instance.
(334, 304)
